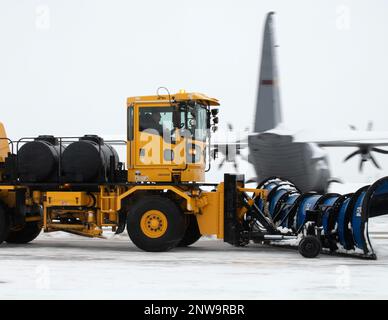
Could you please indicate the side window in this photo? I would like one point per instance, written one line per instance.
(130, 124)
(156, 119)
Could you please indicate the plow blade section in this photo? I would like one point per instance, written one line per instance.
(342, 219)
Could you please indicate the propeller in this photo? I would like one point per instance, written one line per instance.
(230, 152)
(365, 151)
(369, 126)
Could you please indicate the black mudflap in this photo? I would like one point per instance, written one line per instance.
(232, 227)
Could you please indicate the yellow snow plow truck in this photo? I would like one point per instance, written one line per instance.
(79, 185)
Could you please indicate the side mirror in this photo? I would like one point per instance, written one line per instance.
(214, 112)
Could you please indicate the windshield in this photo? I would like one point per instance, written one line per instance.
(194, 121)
(191, 122)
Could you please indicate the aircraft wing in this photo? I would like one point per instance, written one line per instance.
(352, 143)
(345, 138)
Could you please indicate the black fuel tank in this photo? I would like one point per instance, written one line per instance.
(89, 160)
(38, 160)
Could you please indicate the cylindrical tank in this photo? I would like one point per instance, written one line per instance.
(89, 160)
(38, 160)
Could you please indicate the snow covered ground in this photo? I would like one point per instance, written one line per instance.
(63, 266)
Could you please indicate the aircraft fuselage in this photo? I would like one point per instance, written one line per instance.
(304, 164)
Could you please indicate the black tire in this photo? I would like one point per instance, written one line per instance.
(310, 247)
(4, 224)
(173, 232)
(30, 231)
(192, 233)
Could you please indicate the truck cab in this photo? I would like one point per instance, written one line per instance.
(167, 137)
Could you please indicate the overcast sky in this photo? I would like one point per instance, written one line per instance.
(66, 67)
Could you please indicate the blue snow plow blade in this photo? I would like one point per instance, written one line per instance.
(342, 219)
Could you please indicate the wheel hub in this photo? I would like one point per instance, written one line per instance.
(153, 223)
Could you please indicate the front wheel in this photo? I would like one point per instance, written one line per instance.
(155, 224)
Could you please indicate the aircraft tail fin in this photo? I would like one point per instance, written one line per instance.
(268, 111)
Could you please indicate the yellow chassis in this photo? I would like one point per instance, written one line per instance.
(102, 209)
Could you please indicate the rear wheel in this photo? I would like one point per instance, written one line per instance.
(28, 233)
(4, 224)
(192, 233)
(155, 224)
